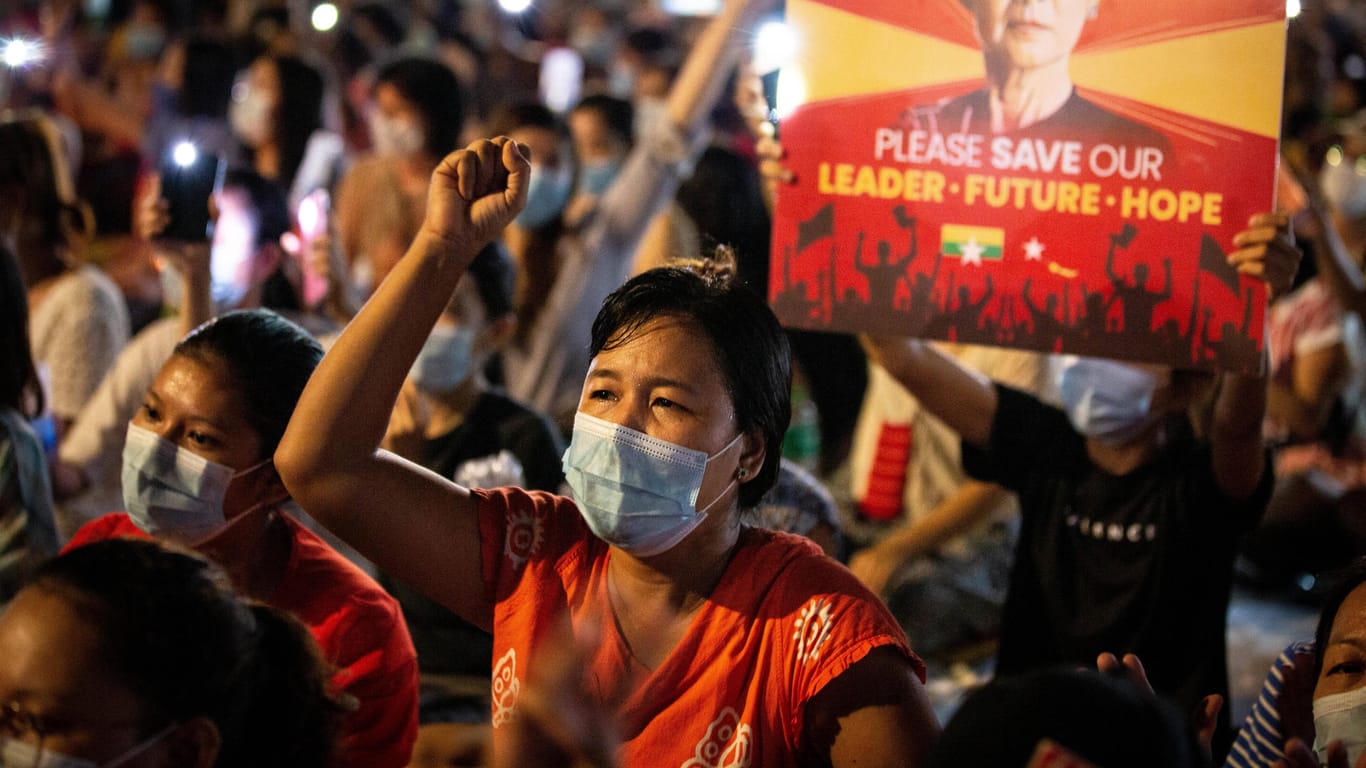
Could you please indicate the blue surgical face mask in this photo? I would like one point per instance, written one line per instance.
(14, 752)
(1106, 401)
(1340, 717)
(143, 41)
(1344, 186)
(445, 360)
(171, 493)
(596, 176)
(546, 195)
(636, 492)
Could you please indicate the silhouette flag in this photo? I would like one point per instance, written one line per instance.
(1212, 261)
(821, 224)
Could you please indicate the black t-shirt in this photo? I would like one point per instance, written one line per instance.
(447, 644)
(1140, 563)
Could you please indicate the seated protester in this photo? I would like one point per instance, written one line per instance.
(27, 532)
(1129, 523)
(450, 420)
(243, 268)
(938, 544)
(197, 470)
(1077, 718)
(1314, 695)
(131, 653)
(716, 637)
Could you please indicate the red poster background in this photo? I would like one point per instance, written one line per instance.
(1115, 281)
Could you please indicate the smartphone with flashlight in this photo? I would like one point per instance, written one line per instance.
(312, 224)
(189, 177)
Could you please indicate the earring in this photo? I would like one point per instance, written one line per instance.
(742, 473)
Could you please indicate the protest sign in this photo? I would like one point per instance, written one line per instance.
(1060, 176)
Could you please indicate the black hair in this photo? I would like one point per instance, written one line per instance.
(383, 20)
(617, 115)
(269, 359)
(494, 276)
(20, 389)
(1344, 583)
(724, 198)
(206, 85)
(180, 638)
(1101, 718)
(750, 347)
(525, 114)
(432, 88)
(298, 114)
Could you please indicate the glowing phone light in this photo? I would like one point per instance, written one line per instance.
(184, 154)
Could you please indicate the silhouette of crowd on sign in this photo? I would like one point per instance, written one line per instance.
(910, 292)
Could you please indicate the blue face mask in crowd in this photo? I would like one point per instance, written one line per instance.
(1340, 717)
(636, 492)
(1106, 401)
(596, 176)
(445, 360)
(546, 196)
(172, 493)
(14, 752)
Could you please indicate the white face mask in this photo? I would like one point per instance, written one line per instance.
(396, 136)
(1106, 401)
(20, 753)
(1340, 717)
(171, 493)
(636, 492)
(249, 115)
(445, 360)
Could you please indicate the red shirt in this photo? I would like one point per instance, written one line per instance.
(360, 629)
(783, 621)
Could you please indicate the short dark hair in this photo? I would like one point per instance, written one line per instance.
(20, 388)
(524, 114)
(751, 348)
(181, 639)
(1344, 583)
(1103, 719)
(432, 88)
(269, 359)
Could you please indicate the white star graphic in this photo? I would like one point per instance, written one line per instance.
(972, 252)
(1033, 250)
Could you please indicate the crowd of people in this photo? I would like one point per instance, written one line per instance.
(452, 427)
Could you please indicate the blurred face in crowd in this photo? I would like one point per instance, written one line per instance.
(59, 690)
(593, 141)
(255, 104)
(1027, 34)
(397, 127)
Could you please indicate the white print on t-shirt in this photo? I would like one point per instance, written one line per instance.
(506, 686)
(813, 627)
(523, 538)
(729, 743)
(1100, 530)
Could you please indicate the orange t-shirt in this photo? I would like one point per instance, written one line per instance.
(783, 621)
